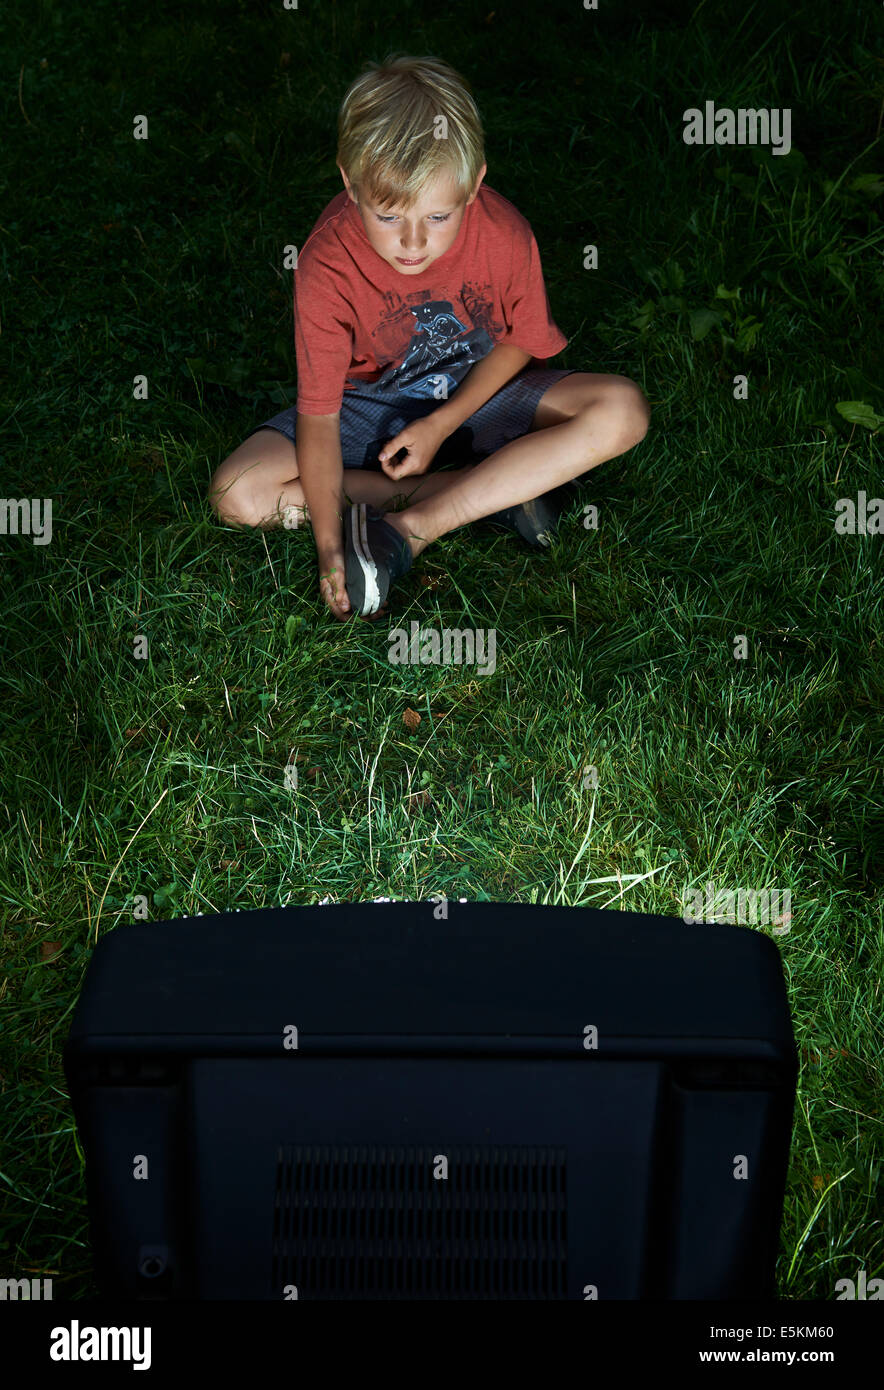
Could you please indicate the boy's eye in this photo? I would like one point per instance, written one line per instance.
(439, 217)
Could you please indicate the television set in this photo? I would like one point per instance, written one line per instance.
(425, 1100)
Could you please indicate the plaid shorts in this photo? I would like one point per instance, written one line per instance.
(368, 422)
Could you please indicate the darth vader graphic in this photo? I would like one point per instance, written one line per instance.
(441, 352)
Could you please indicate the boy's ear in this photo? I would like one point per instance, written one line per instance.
(482, 173)
(347, 184)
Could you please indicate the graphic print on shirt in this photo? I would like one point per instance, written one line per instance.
(442, 348)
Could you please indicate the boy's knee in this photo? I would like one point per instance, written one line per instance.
(231, 500)
(633, 411)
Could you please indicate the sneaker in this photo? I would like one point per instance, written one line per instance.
(536, 521)
(375, 554)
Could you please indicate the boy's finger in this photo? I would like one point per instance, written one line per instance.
(403, 468)
(336, 599)
(391, 448)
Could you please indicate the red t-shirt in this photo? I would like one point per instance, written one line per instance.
(360, 324)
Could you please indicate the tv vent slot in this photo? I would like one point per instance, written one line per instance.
(374, 1223)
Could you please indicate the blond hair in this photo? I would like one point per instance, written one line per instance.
(391, 142)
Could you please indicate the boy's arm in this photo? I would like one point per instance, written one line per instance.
(423, 437)
(321, 471)
(481, 382)
(527, 316)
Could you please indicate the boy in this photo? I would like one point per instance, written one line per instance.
(420, 316)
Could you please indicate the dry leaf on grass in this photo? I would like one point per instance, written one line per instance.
(422, 798)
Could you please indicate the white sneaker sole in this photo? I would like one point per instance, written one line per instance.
(359, 532)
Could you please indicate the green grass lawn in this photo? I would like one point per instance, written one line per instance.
(164, 777)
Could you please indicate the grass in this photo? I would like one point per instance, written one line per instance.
(164, 776)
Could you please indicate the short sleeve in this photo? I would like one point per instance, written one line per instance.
(323, 339)
(527, 314)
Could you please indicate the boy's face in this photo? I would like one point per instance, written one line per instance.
(411, 241)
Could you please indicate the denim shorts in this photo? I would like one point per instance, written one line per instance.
(369, 421)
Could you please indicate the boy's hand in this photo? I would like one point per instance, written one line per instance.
(331, 585)
(421, 440)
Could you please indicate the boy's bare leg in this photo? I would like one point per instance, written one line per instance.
(257, 485)
(523, 469)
